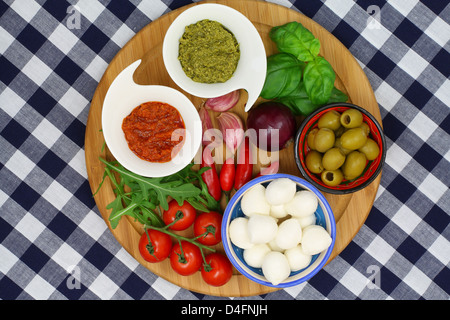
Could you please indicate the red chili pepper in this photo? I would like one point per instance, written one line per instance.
(227, 174)
(210, 177)
(244, 167)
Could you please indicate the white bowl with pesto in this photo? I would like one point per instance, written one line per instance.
(251, 70)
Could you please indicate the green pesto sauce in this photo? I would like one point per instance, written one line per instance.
(208, 52)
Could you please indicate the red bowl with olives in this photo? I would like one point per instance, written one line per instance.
(340, 148)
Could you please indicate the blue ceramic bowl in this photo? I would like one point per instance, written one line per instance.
(324, 217)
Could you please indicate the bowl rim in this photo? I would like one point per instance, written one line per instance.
(304, 184)
(365, 183)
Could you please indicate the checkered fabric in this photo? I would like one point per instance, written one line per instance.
(53, 241)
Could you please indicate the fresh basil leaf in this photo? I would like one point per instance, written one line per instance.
(337, 96)
(300, 104)
(295, 39)
(298, 101)
(319, 79)
(284, 73)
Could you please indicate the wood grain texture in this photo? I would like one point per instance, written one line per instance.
(350, 210)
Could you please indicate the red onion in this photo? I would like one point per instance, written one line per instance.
(223, 103)
(270, 119)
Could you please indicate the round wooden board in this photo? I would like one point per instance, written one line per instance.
(350, 210)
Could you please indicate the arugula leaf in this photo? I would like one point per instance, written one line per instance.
(117, 207)
(319, 80)
(284, 73)
(147, 194)
(162, 189)
(295, 39)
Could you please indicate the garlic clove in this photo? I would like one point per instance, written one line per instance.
(223, 103)
(210, 134)
(232, 128)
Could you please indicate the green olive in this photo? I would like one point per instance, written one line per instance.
(338, 144)
(330, 120)
(324, 139)
(310, 138)
(351, 118)
(370, 149)
(333, 159)
(314, 162)
(354, 165)
(339, 131)
(332, 177)
(366, 128)
(353, 139)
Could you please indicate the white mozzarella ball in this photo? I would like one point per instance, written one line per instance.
(280, 191)
(261, 228)
(275, 267)
(289, 234)
(278, 211)
(315, 239)
(303, 204)
(254, 201)
(254, 256)
(274, 247)
(307, 221)
(297, 258)
(239, 236)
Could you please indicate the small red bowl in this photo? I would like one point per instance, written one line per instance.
(373, 167)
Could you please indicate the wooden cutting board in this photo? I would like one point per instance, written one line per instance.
(350, 210)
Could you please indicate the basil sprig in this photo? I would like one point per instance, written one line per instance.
(297, 76)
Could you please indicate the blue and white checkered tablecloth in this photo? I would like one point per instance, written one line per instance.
(53, 241)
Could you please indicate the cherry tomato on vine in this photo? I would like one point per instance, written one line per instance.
(218, 269)
(185, 214)
(158, 248)
(208, 224)
(186, 260)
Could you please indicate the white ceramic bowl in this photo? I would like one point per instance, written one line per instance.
(122, 97)
(251, 70)
(324, 217)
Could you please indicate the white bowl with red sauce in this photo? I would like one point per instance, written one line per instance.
(123, 96)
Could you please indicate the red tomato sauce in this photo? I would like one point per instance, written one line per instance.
(151, 131)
